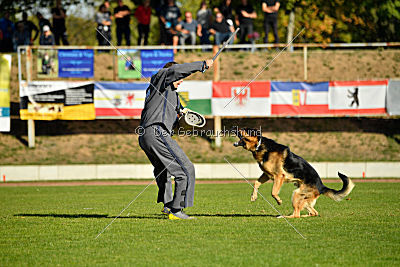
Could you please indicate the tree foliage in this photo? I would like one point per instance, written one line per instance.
(347, 21)
(324, 21)
(29, 5)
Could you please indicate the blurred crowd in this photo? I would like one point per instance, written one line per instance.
(25, 32)
(218, 21)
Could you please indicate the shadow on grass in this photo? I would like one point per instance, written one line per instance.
(233, 215)
(71, 216)
(100, 216)
(155, 216)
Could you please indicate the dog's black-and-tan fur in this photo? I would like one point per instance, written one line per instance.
(279, 164)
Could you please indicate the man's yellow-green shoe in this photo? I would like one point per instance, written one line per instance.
(180, 215)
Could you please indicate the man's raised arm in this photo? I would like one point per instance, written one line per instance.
(180, 71)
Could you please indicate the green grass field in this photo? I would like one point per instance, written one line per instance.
(58, 226)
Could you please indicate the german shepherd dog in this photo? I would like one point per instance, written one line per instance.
(279, 164)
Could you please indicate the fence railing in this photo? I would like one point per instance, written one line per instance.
(27, 50)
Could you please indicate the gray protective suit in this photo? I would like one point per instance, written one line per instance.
(159, 115)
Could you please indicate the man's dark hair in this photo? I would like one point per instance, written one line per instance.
(169, 64)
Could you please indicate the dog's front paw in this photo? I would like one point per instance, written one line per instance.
(279, 202)
(253, 197)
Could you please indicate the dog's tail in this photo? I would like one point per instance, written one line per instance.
(336, 195)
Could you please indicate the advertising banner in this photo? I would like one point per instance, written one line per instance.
(112, 99)
(393, 98)
(129, 65)
(299, 98)
(358, 97)
(5, 71)
(196, 95)
(57, 100)
(75, 63)
(254, 100)
(155, 59)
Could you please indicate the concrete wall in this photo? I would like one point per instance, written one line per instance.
(203, 171)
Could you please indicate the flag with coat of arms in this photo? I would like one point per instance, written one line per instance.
(235, 98)
(113, 99)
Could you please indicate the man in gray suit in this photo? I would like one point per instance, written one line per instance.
(160, 113)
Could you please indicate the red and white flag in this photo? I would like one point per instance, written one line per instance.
(253, 100)
(357, 97)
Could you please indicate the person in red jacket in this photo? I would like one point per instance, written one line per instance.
(143, 14)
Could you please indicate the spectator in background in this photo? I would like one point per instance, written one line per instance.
(204, 18)
(21, 36)
(47, 38)
(42, 23)
(60, 31)
(28, 27)
(188, 29)
(270, 9)
(143, 15)
(107, 5)
(103, 21)
(170, 16)
(158, 5)
(7, 29)
(221, 29)
(245, 15)
(122, 15)
(226, 9)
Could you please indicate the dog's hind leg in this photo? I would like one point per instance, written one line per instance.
(311, 195)
(310, 206)
(263, 178)
(310, 209)
(298, 202)
(276, 188)
(302, 198)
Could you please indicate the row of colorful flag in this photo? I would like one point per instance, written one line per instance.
(299, 98)
(48, 100)
(260, 98)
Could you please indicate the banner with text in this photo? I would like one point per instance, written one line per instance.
(299, 98)
(5, 75)
(75, 63)
(113, 99)
(155, 59)
(357, 97)
(57, 100)
(235, 99)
